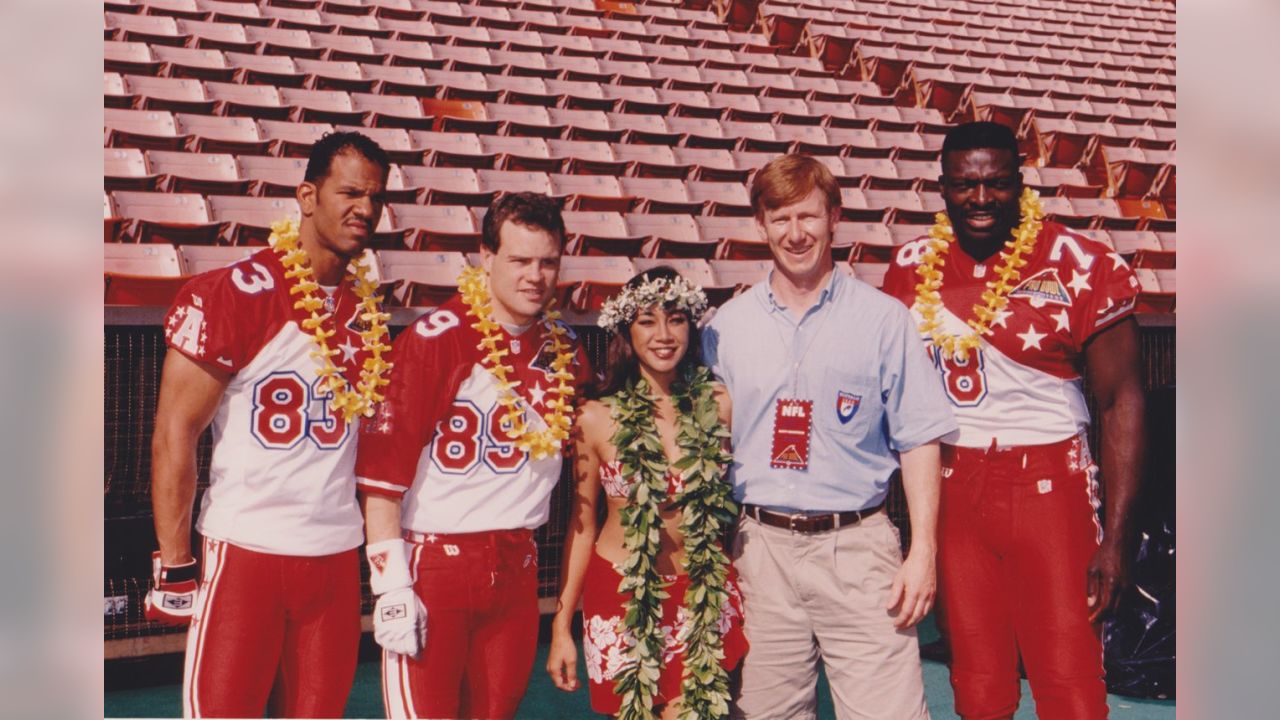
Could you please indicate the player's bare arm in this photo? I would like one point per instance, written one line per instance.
(189, 396)
(725, 405)
(589, 432)
(381, 517)
(1115, 377)
(914, 589)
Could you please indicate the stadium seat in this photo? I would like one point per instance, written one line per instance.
(114, 93)
(133, 58)
(1153, 296)
(254, 101)
(591, 193)
(142, 129)
(600, 233)
(520, 153)
(196, 259)
(247, 220)
(126, 169)
(445, 185)
(222, 134)
(500, 182)
(267, 69)
(582, 157)
(166, 217)
(650, 161)
(425, 279)
(322, 106)
(451, 149)
(864, 241)
(660, 195)
(391, 111)
(740, 274)
(721, 198)
(203, 173)
(150, 29)
(399, 81)
(195, 63)
(272, 176)
(586, 282)
(141, 275)
(172, 94)
(435, 227)
(1143, 249)
(292, 139)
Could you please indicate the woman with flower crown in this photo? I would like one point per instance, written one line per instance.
(662, 614)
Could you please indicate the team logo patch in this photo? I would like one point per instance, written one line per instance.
(379, 562)
(395, 612)
(847, 405)
(177, 602)
(542, 361)
(357, 324)
(1043, 287)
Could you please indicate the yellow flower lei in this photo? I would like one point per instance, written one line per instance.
(351, 403)
(473, 284)
(996, 296)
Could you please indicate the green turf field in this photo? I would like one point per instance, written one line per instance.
(544, 702)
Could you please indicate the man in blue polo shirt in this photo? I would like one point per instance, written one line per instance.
(831, 396)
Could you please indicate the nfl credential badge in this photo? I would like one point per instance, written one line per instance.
(847, 405)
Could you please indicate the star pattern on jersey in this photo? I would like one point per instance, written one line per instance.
(1079, 282)
(537, 394)
(1063, 321)
(432, 538)
(1117, 262)
(348, 350)
(1031, 338)
(1001, 318)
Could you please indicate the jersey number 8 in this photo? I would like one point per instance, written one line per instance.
(965, 380)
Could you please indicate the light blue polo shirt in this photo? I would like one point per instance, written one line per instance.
(856, 354)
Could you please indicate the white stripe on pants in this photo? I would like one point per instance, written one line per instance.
(822, 596)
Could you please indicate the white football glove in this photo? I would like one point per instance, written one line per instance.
(399, 617)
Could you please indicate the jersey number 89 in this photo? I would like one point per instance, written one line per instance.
(467, 437)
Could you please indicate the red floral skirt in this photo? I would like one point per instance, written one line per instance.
(606, 642)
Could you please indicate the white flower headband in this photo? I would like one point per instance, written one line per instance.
(675, 292)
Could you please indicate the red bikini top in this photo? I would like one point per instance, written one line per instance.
(619, 487)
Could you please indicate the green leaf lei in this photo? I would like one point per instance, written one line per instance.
(707, 509)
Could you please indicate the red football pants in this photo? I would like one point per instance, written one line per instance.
(1017, 529)
(276, 633)
(481, 594)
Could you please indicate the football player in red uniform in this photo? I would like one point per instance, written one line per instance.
(281, 352)
(1012, 309)
(456, 470)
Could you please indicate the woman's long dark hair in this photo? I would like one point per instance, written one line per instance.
(620, 358)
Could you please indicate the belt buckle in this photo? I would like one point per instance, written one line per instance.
(791, 521)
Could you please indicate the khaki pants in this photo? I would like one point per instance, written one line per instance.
(822, 596)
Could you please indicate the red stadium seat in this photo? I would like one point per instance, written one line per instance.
(196, 63)
(583, 157)
(255, 101)
(172, 94)
(721, 198)
(126, 169)
(167, 217)
(223, 134)
(592, 193)
(129, 58)
(150, 29)
(866, 241)
(871, 273)
(247, 220)
(660, 195)
(144, 129)
(425, 279)
(436, 226)
(501, 182)
(391, 111)
(273, 177)
(292, 139)
(114, 93)
(651, 161)
(203, 173)
(600, 233)
(141, 291)
(521, 153)
(446, 185)
(741, 274)
(322, 106)
(150, 260)
(1153, 296)
(587, 282)
(198, 259)
(277, 70)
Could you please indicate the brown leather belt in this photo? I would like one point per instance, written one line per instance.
(808, 524)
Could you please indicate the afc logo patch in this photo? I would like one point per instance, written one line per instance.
(847, 405)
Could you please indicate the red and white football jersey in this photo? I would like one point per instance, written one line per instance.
(438, 439)
(1023, 386)
(282, 477)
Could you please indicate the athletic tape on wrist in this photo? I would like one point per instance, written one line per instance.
(388, 566)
